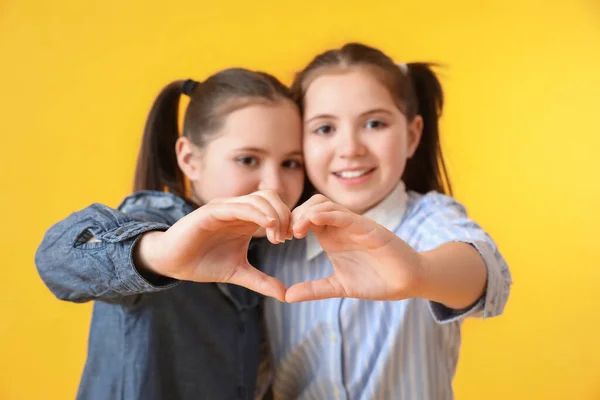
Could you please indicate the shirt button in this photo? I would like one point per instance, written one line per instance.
(333, 337)
(336, 394)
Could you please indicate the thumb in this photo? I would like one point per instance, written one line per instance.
(249, 277)
(325, 288)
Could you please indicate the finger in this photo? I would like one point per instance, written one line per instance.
(282, 210)
(325, 288)
(337, 218)
(269, 199)
(253, 279)
(347, 220)
(214, 217)
(303, 223)
(266, 207)
(314, 200)
(301, 228)
(370, 231)
(302, 208)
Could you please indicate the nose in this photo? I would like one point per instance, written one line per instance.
(271, 178)
(350, 144)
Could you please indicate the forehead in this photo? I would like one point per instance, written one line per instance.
(263, 125)
(347, 92)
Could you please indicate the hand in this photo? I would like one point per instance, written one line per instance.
(369, 261)
(211, 243)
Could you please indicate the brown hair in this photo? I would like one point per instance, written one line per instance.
(416, 91)
(211, 102)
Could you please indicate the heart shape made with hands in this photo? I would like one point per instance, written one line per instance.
(211, 245)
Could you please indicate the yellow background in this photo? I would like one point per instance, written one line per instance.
(521, 133)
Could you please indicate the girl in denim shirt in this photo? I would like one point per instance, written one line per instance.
(173, 317)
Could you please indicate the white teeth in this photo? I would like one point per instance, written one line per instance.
(352, 174)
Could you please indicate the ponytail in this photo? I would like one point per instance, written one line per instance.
(157, 167)
(426, 169)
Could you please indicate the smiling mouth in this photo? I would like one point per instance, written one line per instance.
(353, 174)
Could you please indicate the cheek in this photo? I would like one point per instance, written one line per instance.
(238, 180)
(316, 156)
(294, 184)
(393, 153)
(226, 180)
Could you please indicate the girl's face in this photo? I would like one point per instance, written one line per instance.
(356, 140)
(259, 147)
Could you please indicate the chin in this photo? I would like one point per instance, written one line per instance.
(358, 207)
(349, 201)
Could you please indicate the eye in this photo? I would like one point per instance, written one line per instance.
(247, 161)
(375, 124)
(292, 164)
(323, 130)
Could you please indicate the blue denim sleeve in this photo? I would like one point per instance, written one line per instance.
(78, 270)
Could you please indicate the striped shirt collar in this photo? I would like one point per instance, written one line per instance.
(388, 213)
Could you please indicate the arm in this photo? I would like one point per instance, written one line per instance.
(206, 245)
(454, 274)
(463, 271)
(447, 259)
(89, 255)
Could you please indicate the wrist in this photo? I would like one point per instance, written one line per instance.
(422, 276)
(414, 277)
(145, 257)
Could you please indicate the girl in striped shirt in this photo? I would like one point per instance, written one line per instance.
(394, 261)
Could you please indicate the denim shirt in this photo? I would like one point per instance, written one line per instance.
(150, 339)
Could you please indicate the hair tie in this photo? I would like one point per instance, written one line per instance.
(403, 67)
(188, 87)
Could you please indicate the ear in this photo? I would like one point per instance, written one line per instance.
(415, 129)
(189, 165)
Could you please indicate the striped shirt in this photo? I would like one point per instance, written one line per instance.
(357, 349)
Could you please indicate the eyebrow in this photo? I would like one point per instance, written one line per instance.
(262, 151)
(329, 116)
(377, 111)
